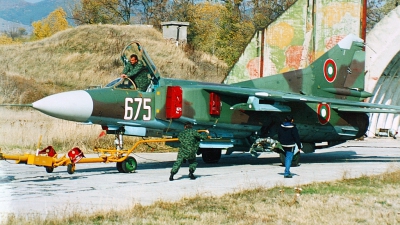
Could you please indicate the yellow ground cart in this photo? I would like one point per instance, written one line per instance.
(49, 159)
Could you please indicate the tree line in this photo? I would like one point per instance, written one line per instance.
(220, 27)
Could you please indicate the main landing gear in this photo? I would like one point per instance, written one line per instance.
(210, 155)
(129, 165)
(272, 145)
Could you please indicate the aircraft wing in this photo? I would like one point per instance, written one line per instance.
(353, 106)
(277, 97)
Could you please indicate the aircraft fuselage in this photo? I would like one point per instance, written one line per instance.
(151, 114)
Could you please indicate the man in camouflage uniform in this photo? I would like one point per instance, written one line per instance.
(137, 72)
(190, 141)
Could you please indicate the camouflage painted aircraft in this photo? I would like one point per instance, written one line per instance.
(326, 100)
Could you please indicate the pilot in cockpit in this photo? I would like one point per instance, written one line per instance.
(137, 72)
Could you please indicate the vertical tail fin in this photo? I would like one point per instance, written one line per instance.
(339, 73)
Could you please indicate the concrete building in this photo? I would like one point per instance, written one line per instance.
(175, 31)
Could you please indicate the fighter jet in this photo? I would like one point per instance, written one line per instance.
(325, 99)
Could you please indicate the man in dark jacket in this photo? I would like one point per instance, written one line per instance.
(288, 136)
(137, 72)
(190, 142)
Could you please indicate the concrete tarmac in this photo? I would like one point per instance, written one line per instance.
(28, 190)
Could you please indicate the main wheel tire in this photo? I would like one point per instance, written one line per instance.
(71, 168)
(49, 169)
(295, 160)
(211, 155)
(129, 165)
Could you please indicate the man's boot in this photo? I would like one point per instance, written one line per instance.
(191, 175)
(171, 177)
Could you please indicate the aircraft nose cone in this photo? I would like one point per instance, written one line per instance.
(72, 105)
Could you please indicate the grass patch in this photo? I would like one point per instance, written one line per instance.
(349, 201)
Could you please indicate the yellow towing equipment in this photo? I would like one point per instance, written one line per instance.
(48, 158)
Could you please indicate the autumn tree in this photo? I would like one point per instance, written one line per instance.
(56, 21)
(153, 12)
(221, 29)
(181, 10)
(205, 26)
(264, 12)
(103, 11)
(234, 7)
(234, 34)
(126, 7)
(204, 23)
(95, 12)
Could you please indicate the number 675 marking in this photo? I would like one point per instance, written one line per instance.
(142, 103)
